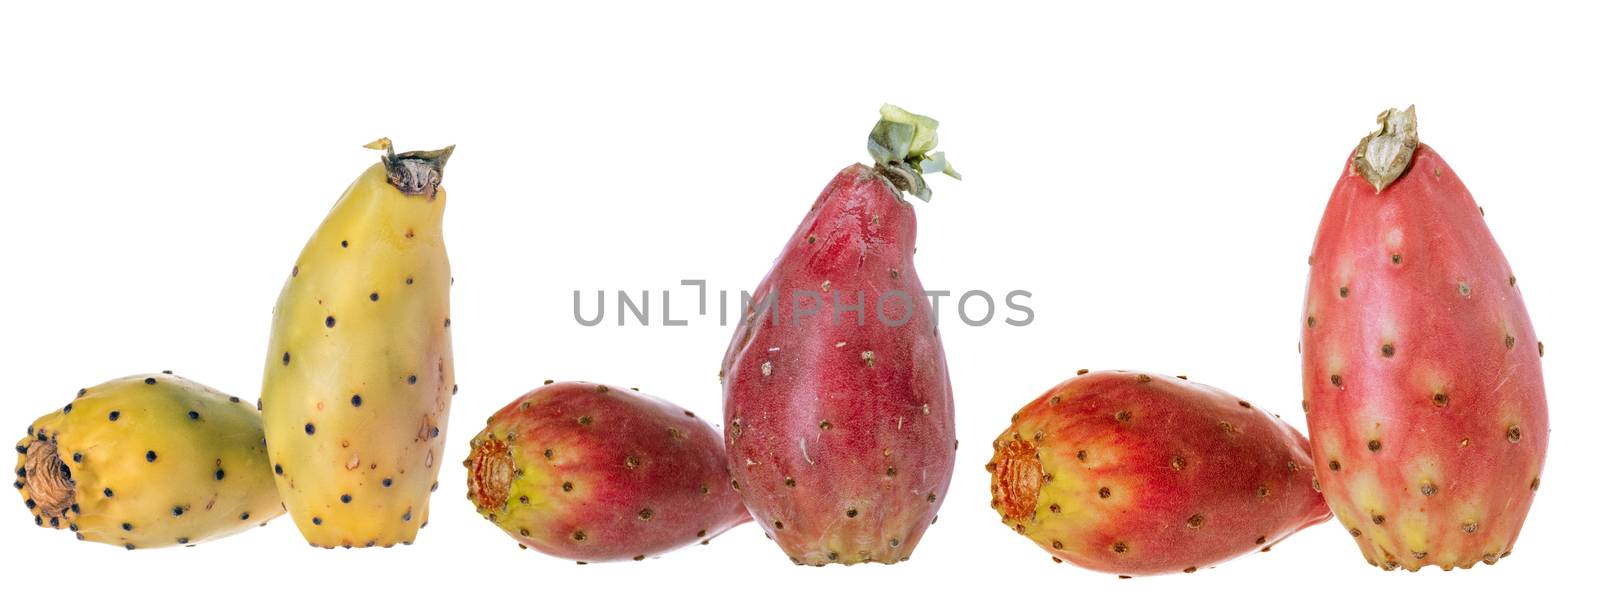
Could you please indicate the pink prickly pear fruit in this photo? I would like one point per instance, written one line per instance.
(594, 473)
(1141, 474)
(837, 404)
(1423, 388)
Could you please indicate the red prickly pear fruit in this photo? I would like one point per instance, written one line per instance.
(837, 405)
(594, 473)
(1141, 474)
(1423, 388)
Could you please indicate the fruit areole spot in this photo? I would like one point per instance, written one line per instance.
(490, 468)
(1018, 477)
(50, 485)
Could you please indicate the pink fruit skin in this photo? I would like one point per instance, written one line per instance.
(1423, 388)
(595, 473)
(842, 436)
(1140, 474)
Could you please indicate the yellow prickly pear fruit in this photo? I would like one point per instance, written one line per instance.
(148, 461)
(359, 372)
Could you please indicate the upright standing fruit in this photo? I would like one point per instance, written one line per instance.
(837, 403)
(1423, 390)
(594, 473)
(148, 461)
(359, 374)
(1138, 473)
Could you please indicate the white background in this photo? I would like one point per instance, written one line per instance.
(1153, 174)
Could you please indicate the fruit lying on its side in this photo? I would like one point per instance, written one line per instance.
(595, 473)
(837, 403)
(1423, 388)
(1139, 474)
(359, 371)
(148, 461)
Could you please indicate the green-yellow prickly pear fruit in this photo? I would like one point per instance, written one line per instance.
(359, 372)
(148, 461)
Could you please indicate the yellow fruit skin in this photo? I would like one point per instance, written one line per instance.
(174, 460)
(365, 313)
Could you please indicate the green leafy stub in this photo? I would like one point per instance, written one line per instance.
(902, 144)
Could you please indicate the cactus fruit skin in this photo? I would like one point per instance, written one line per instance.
(842, 434)
(359, 372)
(1139, 474)
(148, 461)
(1423, 389)
(596, 473)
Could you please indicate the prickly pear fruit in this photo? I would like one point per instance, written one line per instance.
(1139, 474)
(593, 473)
(359, 372)
(1423, 390)
(838, 411)
(148, 461)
